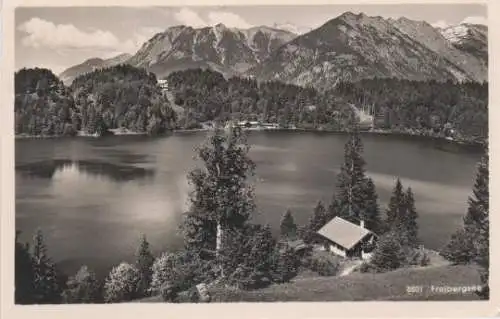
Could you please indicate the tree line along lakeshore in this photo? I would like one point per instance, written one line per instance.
(125, 97)
(244, 255)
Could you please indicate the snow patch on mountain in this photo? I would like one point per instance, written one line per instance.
(455, 33)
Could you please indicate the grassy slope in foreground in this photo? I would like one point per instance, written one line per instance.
(359, 287)
(363, 286)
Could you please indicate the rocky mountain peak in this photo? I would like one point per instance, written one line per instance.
(92, 64)
(355, 46)
(93, 61)
(220, 26)
(216, 46)
(349, 47)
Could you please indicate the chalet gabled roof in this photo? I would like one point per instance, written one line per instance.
(343, 232)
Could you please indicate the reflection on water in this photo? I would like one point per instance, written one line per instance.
(55, 167)
(94, 197)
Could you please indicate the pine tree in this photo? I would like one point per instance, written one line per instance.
(286, 264)
(262, 246)
(472, 242)
(247, 256)
(144, 262)
(45, 281)
(478, 209)
(288, 228)
(82, 288)
(221, 194)
(396, 206)
(351, 178)
(24, 276)
(389, 253)
(410, 220)
(319, 217)
(371, 212)
(91, 124)
(317, 220)
(477, 222)
(333, 209)
(483, 257)
(460, 248)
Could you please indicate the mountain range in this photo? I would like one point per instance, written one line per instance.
(68, 75)
(349, 47)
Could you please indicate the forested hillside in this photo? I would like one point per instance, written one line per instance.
(122, 96)
(127, 97)
(423, 106)
(207, 95)
(43, 105)
(431, 107)
(116, 97)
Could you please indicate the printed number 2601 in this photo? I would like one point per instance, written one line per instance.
(414, 289)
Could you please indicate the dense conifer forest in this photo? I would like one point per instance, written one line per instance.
(129, 98)
(429, 108)
(117, 97)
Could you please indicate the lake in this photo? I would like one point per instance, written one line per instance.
(93, 198)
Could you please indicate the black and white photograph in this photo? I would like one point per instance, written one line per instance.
(250, 153)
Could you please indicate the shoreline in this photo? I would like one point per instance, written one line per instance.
(114, 132)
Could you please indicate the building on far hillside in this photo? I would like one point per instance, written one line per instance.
(163, 84)
(252, 125)
(347, 239)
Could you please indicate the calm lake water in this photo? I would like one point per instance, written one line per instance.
(93, 198)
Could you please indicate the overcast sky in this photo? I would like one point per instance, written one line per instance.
(57, 38)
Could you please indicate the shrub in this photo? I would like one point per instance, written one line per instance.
(389, 253)
(169, 292)
(460, 249)
(323, 264)
(245, 277)
(69, 130)
(122, 283)
(247, 256)
(189, 296)
(366, 268)
(418, 257)
(175, 272)
(285, 266)
(82, 288)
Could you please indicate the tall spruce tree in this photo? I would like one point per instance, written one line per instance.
(82, 288)
(351, 178)
(317, 220)
(144, 262)
(371, 212)
(221, 194)
(333, 209)
(478, 210)
(24, 276)
(477, 222)
(247, 256)
(471, 243)
(482, 246)
(389, 253)
(288, 228)
(410, 220)
(45, 281)
(460, 248)
(396, 206)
